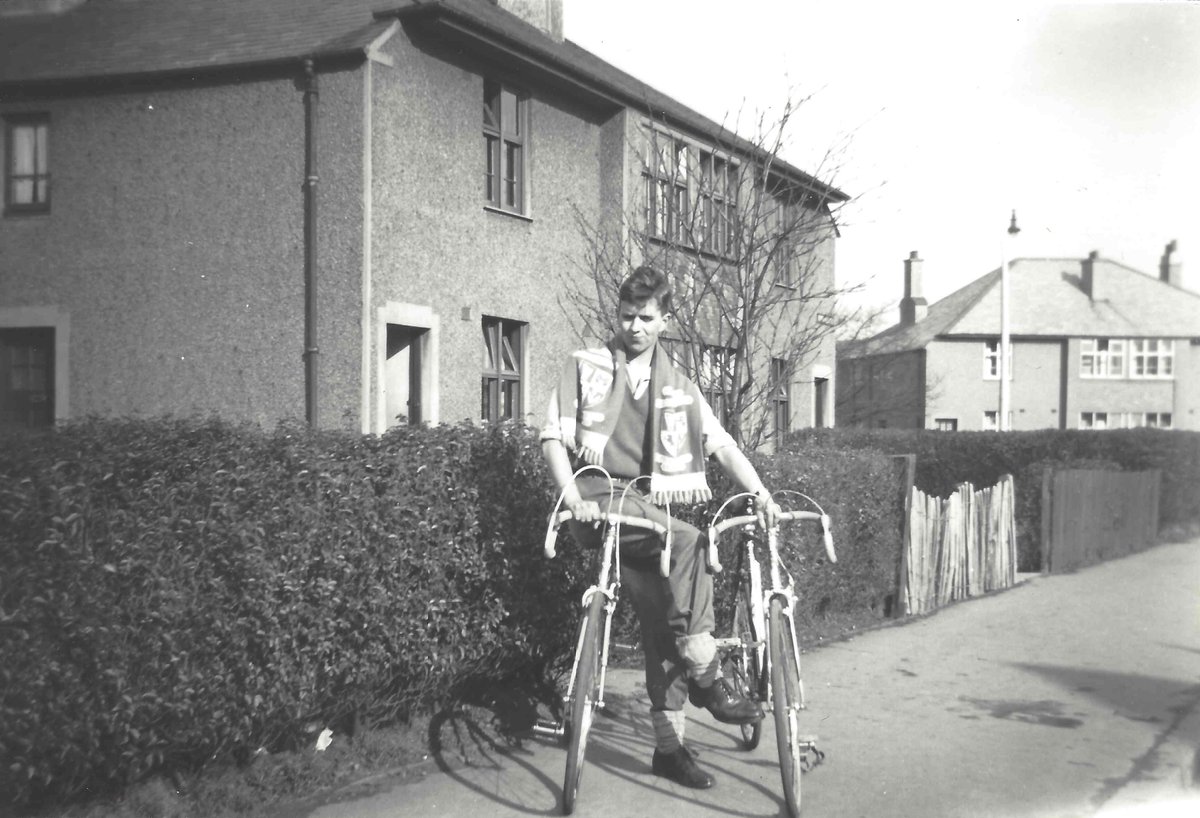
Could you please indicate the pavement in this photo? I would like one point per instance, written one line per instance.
(1066, 696)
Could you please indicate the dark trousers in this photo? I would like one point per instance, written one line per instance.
(679, 605)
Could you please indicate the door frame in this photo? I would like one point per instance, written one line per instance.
(59, 321)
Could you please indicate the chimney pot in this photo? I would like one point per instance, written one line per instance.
(913, 307)
(1170, 267)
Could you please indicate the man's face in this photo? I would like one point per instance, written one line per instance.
(640, 325)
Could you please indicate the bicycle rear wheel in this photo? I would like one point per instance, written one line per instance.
(585, 695)
(785, 696)
(747, 672)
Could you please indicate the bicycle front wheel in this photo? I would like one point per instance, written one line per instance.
(585, 696)
(785, 697)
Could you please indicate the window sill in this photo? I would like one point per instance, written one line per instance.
(510, 213)
(25, 213)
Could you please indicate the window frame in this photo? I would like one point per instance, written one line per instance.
(715, 376)
(40, 177)
(991, 360)
(502, 388)
(1162, 355)
(780, 396)
(497, 141)
(1102, 360)
(1093, 419)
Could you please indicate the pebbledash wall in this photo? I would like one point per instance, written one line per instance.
(171, 262)
(441, 260)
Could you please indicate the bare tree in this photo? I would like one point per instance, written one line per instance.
(747, 240)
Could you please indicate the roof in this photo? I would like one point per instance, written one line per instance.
(121, 39)
(101, 39)
(1048, 300)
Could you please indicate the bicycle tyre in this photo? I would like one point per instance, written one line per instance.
(785, 696)
(747, 675)
(584, 695)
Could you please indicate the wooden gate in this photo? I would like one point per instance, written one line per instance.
(1091, 515)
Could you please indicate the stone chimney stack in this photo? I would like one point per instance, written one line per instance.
(1170, 267)
(1087, 275)
(546, 15)
(913, 307)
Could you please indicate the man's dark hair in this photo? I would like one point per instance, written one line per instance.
(643, 284)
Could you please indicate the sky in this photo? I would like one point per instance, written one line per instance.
(941, 118)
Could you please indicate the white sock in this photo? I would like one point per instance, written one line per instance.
(699, 653)
(668, 729)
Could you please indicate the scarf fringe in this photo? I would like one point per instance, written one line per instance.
(686, 498)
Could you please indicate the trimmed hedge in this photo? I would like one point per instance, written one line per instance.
(176, 592)
(945, 460)
(179, 591)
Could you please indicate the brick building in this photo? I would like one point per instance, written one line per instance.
(1095, 345)
(356, 211)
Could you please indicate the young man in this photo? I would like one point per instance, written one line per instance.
(626, 408)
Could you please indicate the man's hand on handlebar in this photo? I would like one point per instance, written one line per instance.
(585, 511)
(767, 511)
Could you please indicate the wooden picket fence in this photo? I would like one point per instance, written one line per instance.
(958, 547)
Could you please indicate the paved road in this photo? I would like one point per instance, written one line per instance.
(1067, 696)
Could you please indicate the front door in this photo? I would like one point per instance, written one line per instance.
(27, 377)
(402, 374)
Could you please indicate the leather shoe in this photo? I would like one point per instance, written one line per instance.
(725, 704)
(681, 768)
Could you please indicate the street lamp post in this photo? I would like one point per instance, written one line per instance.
(1005, 351)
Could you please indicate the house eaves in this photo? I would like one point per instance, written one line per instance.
(120, 42)
(488, 31)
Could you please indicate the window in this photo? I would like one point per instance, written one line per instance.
(505, 137)
(27, 377)
(1158, 420)
(1152, 358)
(1093, 420)
(26, 164)
(991, 360)
(716, 380)
(718, 204)
(500, 396)
(947, 424)
(781, 407)
(667, 189)
(991, 420)
(781, 227)
(1102, 358)
(1138, 420)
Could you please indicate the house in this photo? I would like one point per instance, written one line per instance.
(1094, 345)
(357, 212)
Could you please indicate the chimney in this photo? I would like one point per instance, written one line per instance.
(546, 15)
(1170, 267)
(913, 307)
(1087, 276)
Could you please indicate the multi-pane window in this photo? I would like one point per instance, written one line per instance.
(1157, 420)
(505, 137)
(1152, 358)
(780, 235)
(666, 177)
(781, 405)
(27, 164)
(991, 360)
(716, 379)
(1102, 358)
(946, 424)
(718, 204)
(1093, 420)
(1138, 420)
(500, 396)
